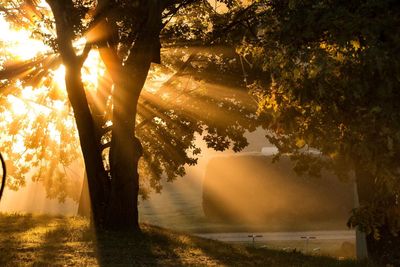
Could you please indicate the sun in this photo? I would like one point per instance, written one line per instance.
(18, 46)
(25, 102)
(19, 42)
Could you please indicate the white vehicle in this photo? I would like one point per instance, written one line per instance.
(247, 188)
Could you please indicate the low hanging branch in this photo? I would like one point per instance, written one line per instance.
(3, 179)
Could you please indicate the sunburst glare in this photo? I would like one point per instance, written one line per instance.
(19, 42)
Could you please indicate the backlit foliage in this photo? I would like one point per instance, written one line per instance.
(181, 100)
(38, 135)
(326, 76)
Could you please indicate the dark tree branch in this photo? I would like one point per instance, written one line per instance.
(175, 10)
(236, 20)
(3, 179)
(85, 53)
(106, 145)
(169, 82)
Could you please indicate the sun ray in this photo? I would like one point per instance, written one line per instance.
(19, 40)
(32, 84)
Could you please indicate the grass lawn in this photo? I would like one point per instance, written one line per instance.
(27, 240)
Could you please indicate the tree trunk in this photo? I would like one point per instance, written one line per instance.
(97, 178)
(126, 149)
(125, 152)
(123, 204)
(118, 208)
(90, 148)
(386, 249)
(84, 205)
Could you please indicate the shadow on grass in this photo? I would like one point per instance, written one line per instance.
(60, 241)
(135, 249)
(156, 246)
(53, 245)
(16, 223)
(17, 237)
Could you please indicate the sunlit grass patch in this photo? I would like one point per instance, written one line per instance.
(27, 240)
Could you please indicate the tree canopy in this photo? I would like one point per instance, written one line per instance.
(327, 78)
(177, 104)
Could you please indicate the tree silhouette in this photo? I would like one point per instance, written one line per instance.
(326, 77)
(111, 120)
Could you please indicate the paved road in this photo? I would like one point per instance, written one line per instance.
(281, 236)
